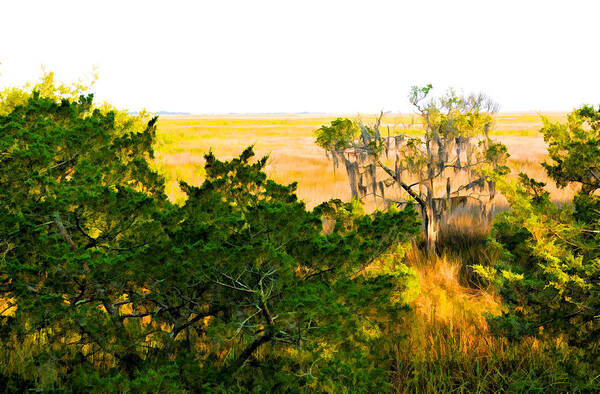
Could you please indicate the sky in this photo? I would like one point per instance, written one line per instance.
(258, 56)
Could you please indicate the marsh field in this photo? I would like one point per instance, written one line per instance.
(289, 141)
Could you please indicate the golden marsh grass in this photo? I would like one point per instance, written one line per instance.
(288, 139)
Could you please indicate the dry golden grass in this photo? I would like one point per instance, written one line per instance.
(449, 301)
(449, 346)
(288, 140)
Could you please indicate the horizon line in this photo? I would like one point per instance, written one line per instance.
(183, 113)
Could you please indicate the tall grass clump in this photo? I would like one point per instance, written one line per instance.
(449, 346)
(465, 237)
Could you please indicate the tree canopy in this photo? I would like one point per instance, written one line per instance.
(439, 169)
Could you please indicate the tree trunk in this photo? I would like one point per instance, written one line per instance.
(429, 229)
(429, 219)
(239, 362)
(427, 208)
(490, 204)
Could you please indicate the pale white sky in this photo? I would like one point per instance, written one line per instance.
(247, 56)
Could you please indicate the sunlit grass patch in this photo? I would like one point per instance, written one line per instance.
(288, 139)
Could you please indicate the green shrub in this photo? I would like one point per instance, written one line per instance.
(550, 275)
(110, 287)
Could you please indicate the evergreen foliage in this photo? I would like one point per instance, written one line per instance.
(107, 286)
(550, 270)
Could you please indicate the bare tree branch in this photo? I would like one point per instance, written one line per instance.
(63, 231)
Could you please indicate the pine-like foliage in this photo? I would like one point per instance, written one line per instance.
(107, 286)
(551, 270)
(78, 207)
